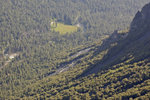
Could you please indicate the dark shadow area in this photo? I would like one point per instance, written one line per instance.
(136, 47)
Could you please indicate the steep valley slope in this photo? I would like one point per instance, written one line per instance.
(120, 70)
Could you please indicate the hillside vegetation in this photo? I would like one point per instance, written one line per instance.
(126, 76)
(123, 81)
(38, 62)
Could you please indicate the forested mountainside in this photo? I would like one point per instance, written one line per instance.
(124, 74)
(38, 62)
(21, 16)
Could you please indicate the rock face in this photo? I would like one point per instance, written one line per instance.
(136, 45)
(142, 20)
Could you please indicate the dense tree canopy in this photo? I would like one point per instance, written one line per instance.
(38, 62)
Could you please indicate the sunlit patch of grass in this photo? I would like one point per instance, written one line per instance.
(63, 29)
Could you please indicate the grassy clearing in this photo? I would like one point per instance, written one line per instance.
(63, 29)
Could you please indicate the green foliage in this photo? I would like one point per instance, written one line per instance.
(25, 30)
(123, 80)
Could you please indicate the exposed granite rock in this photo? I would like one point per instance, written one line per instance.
(141, 20)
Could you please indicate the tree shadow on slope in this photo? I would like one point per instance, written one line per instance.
(131, 47)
